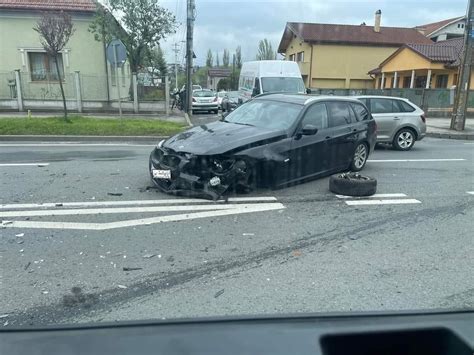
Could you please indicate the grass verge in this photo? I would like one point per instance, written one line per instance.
(88, 126)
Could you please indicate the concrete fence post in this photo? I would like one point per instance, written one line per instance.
(452, 94)
(167, 95)
(77, 79)
(135, 93)
(19, 95)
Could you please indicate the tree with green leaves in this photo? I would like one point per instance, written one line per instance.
(209, 59)
(238, 57)
(226, 58)
(156, 63)
(265, 50)
(217, 60)
(55, 30)
(143, 24)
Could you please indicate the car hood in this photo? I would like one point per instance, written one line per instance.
(220, 137)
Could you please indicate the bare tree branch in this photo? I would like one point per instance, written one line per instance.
(55, 30)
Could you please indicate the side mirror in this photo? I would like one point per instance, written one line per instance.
(308, 90)
(255, 91)
(309, 130)
(225, 114)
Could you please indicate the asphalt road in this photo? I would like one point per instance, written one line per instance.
(302, 249)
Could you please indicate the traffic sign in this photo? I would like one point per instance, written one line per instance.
(116, 52)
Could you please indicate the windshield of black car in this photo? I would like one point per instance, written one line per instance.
(282, 84)
(204, 94)
(266, 114)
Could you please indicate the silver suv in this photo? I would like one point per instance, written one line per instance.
(399, 121)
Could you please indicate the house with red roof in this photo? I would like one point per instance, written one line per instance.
(443, 30)
(430, 66)
(341, 56)
(20, 49)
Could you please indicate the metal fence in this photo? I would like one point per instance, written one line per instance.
(20, 91)
(433, 99)
(151, 88)
(7, 85)
(94, 87)
(46, 89)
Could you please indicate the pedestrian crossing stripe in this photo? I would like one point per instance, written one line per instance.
(378, 199)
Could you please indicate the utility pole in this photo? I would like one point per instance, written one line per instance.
(458, 119)
(176, 50)
(189, 55)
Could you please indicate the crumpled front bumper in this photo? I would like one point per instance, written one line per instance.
(189, 178)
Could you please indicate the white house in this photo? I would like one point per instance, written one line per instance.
(443, 30)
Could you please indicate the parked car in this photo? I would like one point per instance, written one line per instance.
(204, 100)
(399, 121)
(230, 101)
(271, 140)
(220, 97)
(195, 87)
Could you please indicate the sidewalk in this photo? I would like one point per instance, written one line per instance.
(439, 128)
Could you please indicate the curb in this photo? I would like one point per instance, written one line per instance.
(468, 137)
(81, 139)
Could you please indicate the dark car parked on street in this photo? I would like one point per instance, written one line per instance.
(272, 140)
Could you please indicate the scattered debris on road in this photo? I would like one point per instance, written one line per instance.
(19, 235)
(131, 268)
(148, 256)
(58, 204)
(114, 193)
(248, 234)
(27, 265)
(219, 293)
(122, 286)
(3, 316)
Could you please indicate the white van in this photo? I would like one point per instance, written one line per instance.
(263, 76)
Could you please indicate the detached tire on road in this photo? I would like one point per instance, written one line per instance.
(352, 184)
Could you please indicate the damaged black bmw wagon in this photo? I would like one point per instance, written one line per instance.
(272, 140)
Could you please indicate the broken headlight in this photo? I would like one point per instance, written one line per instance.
(221, 165)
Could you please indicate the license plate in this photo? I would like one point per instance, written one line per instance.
(162, 174)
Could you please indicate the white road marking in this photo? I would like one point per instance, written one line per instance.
(75, 145)
(239, 209)
(410, 160)
(85, 211)
(382, 202)
(374, 196)
(131, 203)
(24, 164)
(470, 192)
(468, 143)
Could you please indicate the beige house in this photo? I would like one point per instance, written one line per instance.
(340, 56)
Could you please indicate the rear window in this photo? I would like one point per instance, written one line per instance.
(405, 107)
(339, 114)
(361, 112)
(204, 94)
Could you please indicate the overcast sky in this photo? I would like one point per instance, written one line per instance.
(222, 24)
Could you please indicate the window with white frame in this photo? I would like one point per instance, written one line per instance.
(292, 58)
(43, 66)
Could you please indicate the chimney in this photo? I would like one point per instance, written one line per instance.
(378, 18)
